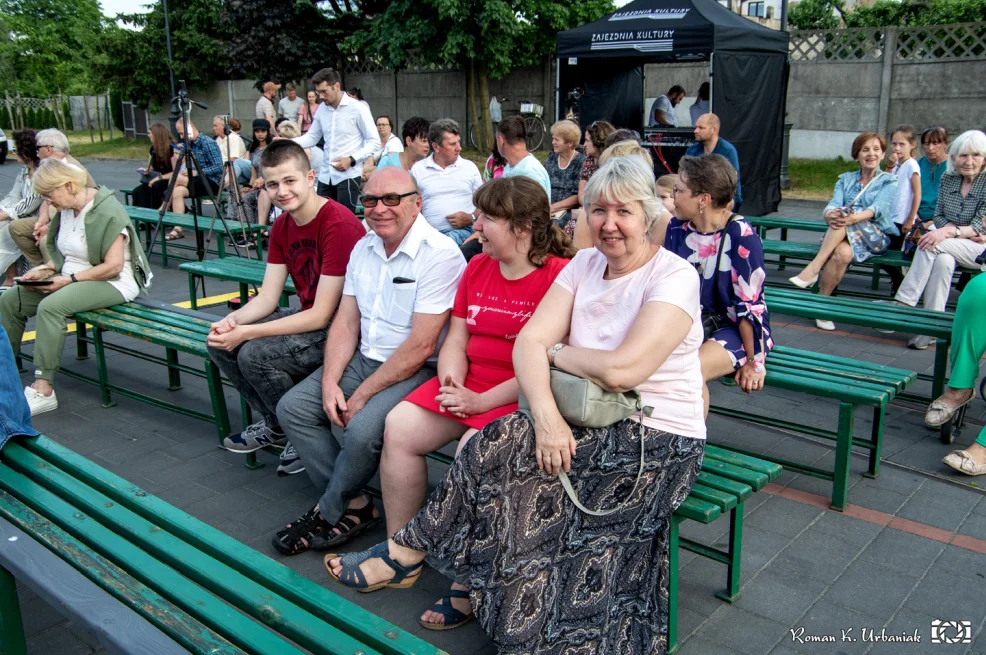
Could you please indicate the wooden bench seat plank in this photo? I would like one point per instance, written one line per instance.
(753, 479)
(232, 269)
(108, 618)
(242, 592)
(187, 344)
(713, 481)
(770, 469)
(175, 326)
(171, 219)
(826, 387)
(698, 510)
(167, 317)
(865, 377)
(725, 501)
(209, 610)
(314, 598)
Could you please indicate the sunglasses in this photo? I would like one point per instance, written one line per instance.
(389, 199)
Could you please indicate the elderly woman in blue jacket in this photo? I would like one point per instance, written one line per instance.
(859, 218)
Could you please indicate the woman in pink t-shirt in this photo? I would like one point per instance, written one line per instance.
(543, 576)
(499, 291)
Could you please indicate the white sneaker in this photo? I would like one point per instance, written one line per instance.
(824, 325)
(38, 402)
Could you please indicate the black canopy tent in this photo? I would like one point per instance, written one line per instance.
(749, 72)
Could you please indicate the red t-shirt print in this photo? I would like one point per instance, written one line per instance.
(321, 247)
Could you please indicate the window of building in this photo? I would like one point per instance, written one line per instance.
(755, 9)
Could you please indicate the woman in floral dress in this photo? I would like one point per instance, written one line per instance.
(739, 339)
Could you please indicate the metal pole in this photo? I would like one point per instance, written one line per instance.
(171, 71)
(784, 15)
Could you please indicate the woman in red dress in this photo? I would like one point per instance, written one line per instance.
(523, 252)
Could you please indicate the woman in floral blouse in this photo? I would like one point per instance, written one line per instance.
(738, 339)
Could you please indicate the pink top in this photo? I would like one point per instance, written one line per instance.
(304, 120)
(605, 309)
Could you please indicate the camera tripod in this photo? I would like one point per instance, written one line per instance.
(194, 170)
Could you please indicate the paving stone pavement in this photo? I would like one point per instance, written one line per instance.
(893, 562)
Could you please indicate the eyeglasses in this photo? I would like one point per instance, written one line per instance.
(38, 149)
(389, 199)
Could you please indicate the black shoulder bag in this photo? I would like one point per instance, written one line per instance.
(715, 318)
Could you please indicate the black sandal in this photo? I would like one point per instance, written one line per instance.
(297, 537)
(347, 527)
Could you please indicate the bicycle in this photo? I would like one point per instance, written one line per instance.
(532, 121)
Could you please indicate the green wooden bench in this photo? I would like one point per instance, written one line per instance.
(128, 195)
(851, 382)
(765, 223)
(726, 481)
(802, 251)
(146, 219)
(201, 588)
(245, 272)
(889, 316)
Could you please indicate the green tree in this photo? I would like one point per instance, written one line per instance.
(305, 34)
(134, 62)
(815, 14)
(47, 45)
(487, 38)
(825, 14)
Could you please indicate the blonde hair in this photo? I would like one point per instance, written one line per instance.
(289, 129)
(625, 149)
(568, 131)
(53, 173)
(624, 180)
(666, 182)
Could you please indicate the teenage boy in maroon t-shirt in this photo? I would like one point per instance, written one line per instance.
(264, 349)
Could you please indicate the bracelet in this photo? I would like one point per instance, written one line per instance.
(554, 351)
(73, 277)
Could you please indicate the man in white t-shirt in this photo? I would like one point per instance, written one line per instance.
(289, 106)
(662, 111)
(447, 182)
(511, 141)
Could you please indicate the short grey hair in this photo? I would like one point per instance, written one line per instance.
(972, 141)
(54, 138)
(624, 180)
(441, 127)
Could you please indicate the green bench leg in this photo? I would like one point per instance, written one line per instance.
(673, 585)
(260, 248)
(104, 388)
(220, 245)
(12, 640)
(879, 417)
(244, 294)
(782, 258)
(732, 592)
(875, 277)
(941, 368)
(81, 347)
(247, 413)
(219, 411)
(164, 246)
(283, 302)
(174, 375)
(843, 454)
(192, 297)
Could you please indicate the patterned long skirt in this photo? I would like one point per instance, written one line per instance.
(544, 577)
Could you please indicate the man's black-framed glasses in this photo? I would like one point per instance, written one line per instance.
(389, 199)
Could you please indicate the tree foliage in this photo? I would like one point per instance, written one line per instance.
(46, 45)
(822, 14)
(285, 40)
(134, 62)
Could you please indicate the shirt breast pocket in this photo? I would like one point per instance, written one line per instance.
(402, 298)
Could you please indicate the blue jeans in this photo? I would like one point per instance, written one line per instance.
(15, 415)
(342, 462)
(459, 234)
(242, 168)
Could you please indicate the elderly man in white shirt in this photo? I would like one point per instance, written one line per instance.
(350, 137)
(447, 182)
(383, 343)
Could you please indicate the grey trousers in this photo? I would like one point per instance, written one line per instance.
(342, 461)
(265, 369)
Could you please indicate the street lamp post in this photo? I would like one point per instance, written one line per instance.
(171, 70)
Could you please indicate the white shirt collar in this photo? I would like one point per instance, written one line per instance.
(431, 163)
(411, 243)
(345, 100)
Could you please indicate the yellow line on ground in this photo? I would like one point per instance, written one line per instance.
(187, 304)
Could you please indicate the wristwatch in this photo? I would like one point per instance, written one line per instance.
(554, 351)
(958, 232)
(352, 161)
(73, 277)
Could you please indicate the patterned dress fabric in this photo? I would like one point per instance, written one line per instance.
(740, 283)
(544, 578)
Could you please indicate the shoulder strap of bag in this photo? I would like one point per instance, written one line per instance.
(715, 273)
(863, 190)
(567, 485)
